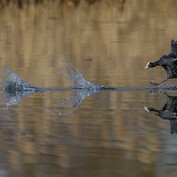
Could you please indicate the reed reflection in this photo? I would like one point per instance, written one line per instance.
(168, 112)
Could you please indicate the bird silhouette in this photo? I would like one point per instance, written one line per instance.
(168, 112)
(168, 62)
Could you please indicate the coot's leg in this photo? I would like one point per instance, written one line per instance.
(155, 84)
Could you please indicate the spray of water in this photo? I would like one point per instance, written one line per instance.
(13, 82)
(14, 88)
(81, 88)
(78, 81)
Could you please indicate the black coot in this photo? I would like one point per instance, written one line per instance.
(168, 62)
(168, 112)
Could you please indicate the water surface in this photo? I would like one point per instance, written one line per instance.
(108, 133)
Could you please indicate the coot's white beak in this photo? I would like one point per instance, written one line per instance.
(147, 66)
(146, 109)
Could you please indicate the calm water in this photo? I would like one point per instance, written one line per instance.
(67, 132)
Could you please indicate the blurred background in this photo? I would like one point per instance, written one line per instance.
(110, 134)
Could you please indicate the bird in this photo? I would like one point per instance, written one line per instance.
(168, 62)
(167, 112)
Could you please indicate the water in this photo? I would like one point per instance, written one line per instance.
(75, 126)
(14, 88)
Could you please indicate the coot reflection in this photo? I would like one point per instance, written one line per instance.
(168, 112)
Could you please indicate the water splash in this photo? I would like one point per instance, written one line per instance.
(81, 88)
(14, 88)
(13, 82)
(76, 99)
(13, 98)
(78, 81)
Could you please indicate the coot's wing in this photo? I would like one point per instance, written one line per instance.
(173, 51)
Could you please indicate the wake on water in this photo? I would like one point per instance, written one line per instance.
(15, 88)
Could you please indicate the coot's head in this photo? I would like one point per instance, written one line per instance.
(149, 65)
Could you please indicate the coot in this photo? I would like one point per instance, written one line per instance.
(168, 112)
(168, 62)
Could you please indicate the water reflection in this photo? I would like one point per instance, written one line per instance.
(77, 97)
(13, 98)
(168, 112)
(108, 128)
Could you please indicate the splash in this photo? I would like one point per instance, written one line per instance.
(14, 88)
(76, 99)
(13, 98)
(78, 81)
(81, 88)
(13, 82)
